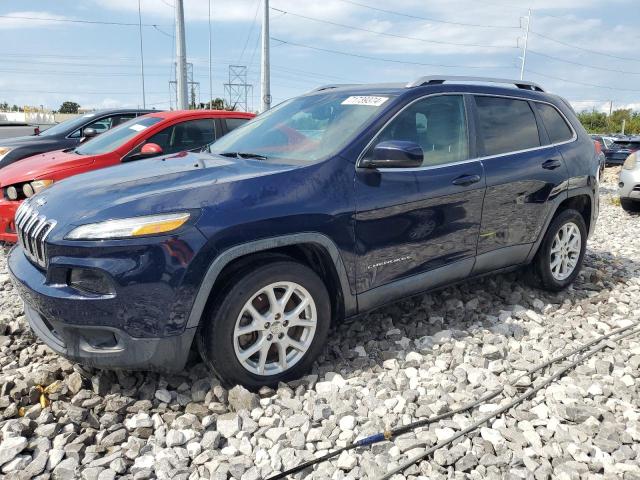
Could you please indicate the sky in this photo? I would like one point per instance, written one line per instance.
(584, 50)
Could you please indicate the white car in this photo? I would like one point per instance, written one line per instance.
(629, 184)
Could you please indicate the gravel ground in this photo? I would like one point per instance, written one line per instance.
(412, 360)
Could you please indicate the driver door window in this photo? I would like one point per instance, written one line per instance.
(189, 135)
(438, 124)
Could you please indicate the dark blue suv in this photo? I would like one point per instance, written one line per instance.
(329, 205)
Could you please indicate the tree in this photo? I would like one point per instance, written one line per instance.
(218, 104)
(69, 107)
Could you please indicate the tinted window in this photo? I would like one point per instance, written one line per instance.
(437, 124)
(184, 136)
(556, 126)
(233, 123)
(506, 125)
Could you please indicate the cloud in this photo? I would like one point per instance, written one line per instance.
(27, 19)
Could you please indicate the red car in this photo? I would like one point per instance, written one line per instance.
(147, 136)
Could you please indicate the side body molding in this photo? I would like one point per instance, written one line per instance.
(227, 256)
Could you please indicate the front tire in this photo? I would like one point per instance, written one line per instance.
(267, 327)
(561, 253)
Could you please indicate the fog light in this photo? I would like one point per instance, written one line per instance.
(27, 189)
(100, 339)
(12, 193)
(621, 184)
(91, 281)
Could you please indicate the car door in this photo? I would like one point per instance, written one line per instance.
(523, 171)
(418, 227)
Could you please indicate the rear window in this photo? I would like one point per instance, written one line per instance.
(556, 126)
(506, 125)
(630, 144)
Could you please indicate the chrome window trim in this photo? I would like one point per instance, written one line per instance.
(475, 159)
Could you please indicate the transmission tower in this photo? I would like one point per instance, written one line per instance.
(237, 88)
(193, 89)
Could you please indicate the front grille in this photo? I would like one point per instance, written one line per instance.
(32, 230)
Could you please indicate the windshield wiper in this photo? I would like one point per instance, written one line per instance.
(257, 156)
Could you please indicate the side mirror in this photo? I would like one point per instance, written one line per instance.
(395, 154)
(149, 149)
(88, 134)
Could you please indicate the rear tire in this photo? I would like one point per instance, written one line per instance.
(628, 205)
(259, 332)
(559, 258)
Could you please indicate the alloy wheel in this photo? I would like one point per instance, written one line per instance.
(275, 328)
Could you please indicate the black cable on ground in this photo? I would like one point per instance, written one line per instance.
(388, 435)
(509, 406)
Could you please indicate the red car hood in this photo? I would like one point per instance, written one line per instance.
(42, 166)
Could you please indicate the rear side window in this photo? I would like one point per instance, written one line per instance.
(556, 126)
(506, 125)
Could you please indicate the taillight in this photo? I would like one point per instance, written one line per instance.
(598, 147)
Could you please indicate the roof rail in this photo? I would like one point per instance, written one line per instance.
(333, 85)
(437, 79)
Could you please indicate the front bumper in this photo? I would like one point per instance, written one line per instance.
(629, 184)
(100, 346)
(8, 210)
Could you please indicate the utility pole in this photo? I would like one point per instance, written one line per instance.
(609, 117)
(210, 67)
(265, 74)
(524, 49)
(181, 57)
(144, 100)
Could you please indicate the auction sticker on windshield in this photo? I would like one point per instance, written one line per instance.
(137, 127)
(365, 100)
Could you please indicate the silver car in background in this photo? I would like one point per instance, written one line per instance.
(629, 184)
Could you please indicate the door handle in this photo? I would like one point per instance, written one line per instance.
(466, 180)
(551, 164)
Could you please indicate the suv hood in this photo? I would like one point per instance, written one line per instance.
(145, 187)
(41, 166)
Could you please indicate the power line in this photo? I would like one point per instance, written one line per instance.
(408, 15)
(253, 24)
(588, 50)
(584, 83)
(595, 67)
(380, 59)
(79, 92)
(387, 34)
(70, 20)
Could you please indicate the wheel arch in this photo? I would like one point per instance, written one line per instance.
(580, 200)
(314, 250)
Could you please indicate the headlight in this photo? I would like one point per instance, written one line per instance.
(4, 151)
(631, 161)
(27, 189)
(129, 227)
(39, 185)
(12, 193)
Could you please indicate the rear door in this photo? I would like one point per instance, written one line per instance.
(524, 171)
(420, 222)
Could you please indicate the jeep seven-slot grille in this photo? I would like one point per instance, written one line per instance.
(32, 229)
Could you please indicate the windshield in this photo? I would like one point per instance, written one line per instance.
(302, 129)
(68, 126)
(117, 136)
